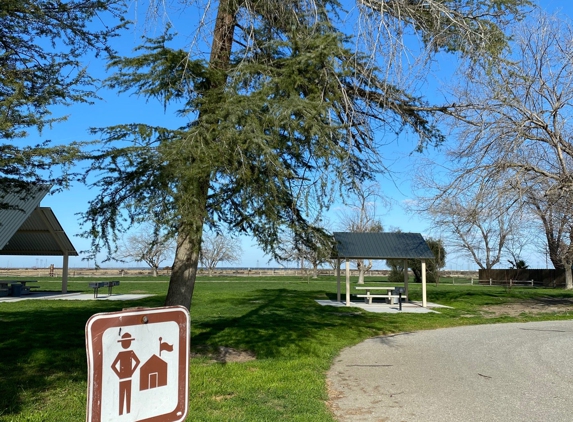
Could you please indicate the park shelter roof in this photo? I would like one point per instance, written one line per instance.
(16, 207)
(381, 246)
(28, 229)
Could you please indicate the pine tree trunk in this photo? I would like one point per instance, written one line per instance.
(184, 273)
(189, 235)
(190, 231)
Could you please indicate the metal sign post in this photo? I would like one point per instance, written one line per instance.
(138, 365)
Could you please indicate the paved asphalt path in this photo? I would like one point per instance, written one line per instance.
(504, 372)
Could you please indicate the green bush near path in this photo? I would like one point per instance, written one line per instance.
(43, 372)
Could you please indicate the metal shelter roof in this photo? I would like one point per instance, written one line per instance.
(18, 206)
(381, 246)
(27, 229)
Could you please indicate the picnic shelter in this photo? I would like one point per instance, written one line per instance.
(374, 246)
(26, 228)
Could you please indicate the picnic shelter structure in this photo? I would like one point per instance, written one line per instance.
(373, 246)
(28, 229)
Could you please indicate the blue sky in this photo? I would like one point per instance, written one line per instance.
(116, 109)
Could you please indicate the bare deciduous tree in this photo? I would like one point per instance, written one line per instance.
(516, 124)
(475, 215)
(553, 209)
(522, 238)
(319, 254)
(362, 218)
(218, 248)
(147, 245)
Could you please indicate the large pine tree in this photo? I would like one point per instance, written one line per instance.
(284, 113)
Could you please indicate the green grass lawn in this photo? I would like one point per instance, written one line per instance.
(43, 372)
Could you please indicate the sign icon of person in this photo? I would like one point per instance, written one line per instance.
(124, 367)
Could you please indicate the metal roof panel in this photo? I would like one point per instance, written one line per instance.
(28, 229)
(19, 206)
(382, 246)
(40, 234)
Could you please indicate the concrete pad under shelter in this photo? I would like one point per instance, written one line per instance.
(407, 307)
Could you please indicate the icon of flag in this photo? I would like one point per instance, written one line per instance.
(164, 347)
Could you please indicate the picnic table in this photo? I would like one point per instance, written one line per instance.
(6, 287)
(109, 284)
(389, 294)
(16, 287)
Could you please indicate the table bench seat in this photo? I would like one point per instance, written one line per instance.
(388, 297)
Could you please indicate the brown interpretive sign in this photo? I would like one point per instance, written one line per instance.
(138, 365)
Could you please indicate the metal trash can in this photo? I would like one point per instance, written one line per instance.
(16, 290)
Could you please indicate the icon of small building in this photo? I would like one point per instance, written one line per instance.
(153, 373)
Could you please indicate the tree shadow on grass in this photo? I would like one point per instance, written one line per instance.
(42, 346)
(283, 323)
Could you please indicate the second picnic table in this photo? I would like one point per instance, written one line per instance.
(109, 284)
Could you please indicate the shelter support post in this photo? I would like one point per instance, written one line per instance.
(347, 282)
(424, 301)
(406, 278)
(338, 279)
(65, 273)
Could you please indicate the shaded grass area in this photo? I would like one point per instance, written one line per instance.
(43, 359)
